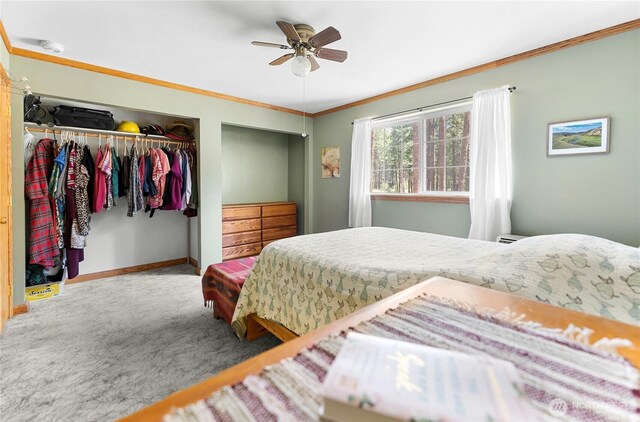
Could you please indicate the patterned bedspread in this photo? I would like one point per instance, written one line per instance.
(308, 281)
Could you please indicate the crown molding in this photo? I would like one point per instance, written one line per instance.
(5, 37)
(592, 36)
(139, 78)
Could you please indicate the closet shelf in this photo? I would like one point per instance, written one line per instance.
(95, 132)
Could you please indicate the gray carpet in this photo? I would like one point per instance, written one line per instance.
(106, 348)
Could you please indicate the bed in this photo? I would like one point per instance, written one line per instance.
(308, 281)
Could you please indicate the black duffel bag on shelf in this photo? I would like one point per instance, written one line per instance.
(34, 111)
(82, 117)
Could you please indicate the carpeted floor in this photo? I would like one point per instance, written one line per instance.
(106, 348)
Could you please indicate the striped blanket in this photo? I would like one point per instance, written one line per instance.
(564, 379)
(221, 285)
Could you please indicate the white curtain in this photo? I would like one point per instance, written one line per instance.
(490, 183)
(360, 183)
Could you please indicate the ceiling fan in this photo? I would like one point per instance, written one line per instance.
(307, 45)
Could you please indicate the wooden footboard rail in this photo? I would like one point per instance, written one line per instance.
(257, 327)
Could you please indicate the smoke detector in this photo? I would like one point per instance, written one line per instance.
(52, 46)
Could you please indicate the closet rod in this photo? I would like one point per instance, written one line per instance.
(132, 138)
(419, 109)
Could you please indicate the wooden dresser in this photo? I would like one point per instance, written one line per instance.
(247, 228)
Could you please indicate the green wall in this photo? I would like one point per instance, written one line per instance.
(254, 165)
(592, 194)
(296, 185)
(211, 113)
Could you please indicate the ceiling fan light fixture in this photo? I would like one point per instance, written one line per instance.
(300, 66)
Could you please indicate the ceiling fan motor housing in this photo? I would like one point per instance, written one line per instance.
(305, 32)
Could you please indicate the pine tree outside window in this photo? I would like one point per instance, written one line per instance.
(423, 155)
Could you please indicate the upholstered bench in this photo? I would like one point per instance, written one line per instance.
(221, 285)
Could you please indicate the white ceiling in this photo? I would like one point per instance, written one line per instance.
(206, 44)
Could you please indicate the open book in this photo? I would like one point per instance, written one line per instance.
(378, 379)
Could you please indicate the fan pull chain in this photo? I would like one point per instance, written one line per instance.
(304, 108)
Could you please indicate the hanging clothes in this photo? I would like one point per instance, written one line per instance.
(43, 245)
(178, 154)
(184, 161)
(172, 199)
(141, 177)
(58, 201)
(165, 168)
(149, 186)
(156, 173)
(99, 184)
(88, 163)
(58, 166)
(29, 142)
(115, 177)
(60, 190)
(192, 206)
(186, 180)
(166, 194)
(71, 167)
(82, 195)
(135, 202)
(160, 168)
(74, 241)
(126, 167)
(121, 172)
(105, 167)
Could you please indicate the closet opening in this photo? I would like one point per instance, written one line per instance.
(263, 181)
(105, 219)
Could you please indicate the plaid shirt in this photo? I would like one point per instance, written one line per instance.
(135, 202)
(43, 245)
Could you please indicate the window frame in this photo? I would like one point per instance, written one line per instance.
(456, 197)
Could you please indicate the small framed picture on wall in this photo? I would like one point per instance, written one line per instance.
(589, 136)
(330, 162)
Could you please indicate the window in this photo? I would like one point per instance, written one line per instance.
(422, 155)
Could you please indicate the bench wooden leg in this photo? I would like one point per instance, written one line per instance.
(216, 313)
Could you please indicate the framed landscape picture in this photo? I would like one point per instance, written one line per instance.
(589, 136)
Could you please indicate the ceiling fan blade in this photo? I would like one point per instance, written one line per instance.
(281, 59)
(289, 30)
(330, 54)
(314, 63)
(325, 37)
(270, 44)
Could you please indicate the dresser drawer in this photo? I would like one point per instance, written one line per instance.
(279, 233)
(274, 222)
(240, 226)
(235, 239)
(278, 209)
(239, 251)
(240, 213)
